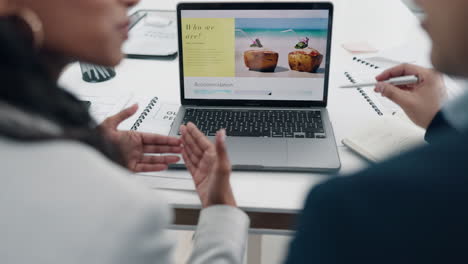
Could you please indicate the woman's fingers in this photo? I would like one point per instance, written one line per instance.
(188, 163)
(159, 159)
(190, 143)
(155, 139)
(207, 163)
(195, 159)
(224, 165)
(199, 152)
(150, 167)
(115, 120)
(161, 149)
(199, 138)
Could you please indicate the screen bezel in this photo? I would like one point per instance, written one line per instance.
(255, 6)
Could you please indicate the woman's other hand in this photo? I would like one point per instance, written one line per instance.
(209, 165)
(134, 145)
(420, 101)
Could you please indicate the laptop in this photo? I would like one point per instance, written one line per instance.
(260, 71)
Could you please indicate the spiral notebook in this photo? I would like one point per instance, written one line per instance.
(393, 133)
(154, 116)
(365, 70)
(147, 111)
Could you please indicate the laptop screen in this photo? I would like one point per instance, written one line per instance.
(255, 55)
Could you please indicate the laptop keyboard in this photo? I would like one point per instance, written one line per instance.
(258, 123)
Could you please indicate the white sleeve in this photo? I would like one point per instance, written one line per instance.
(89, 210)
(221, 236)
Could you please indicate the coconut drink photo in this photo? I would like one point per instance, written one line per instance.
(280, 47)
(258, 58)
(304, 58)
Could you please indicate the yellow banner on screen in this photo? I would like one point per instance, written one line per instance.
(209, 47)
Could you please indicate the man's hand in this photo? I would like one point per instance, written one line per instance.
(209, 165)
(134, 145)
(420, 101)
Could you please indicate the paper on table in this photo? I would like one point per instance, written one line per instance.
(406, 54)
(152, 36)
(359, 47)
(103, 107)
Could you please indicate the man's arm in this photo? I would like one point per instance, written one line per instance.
(321, 228)
(438, 125)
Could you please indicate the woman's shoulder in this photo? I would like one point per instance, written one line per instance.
(77, 174)
(71, 195)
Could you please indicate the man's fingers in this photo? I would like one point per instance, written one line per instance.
(395, 94)
(115, 120)
(398, 71)
(159, 159)
(156, 149)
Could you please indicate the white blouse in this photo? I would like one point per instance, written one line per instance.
(63, 202)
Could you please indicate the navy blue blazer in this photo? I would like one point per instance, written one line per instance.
(410, 209)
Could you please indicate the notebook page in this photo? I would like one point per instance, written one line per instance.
(159, 121)
(387, 137)
(364, 71)
(103, 107)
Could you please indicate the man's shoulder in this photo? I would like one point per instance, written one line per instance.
(412, 205)
(444, 161)
(427, 179)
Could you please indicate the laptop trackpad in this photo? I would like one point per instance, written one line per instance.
(257, 151)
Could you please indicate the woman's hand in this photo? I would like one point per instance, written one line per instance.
(209, 165)
(420, 101)
(134, 145)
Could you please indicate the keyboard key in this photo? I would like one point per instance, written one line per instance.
(277, 134)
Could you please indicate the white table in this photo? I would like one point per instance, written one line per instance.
(271, 198)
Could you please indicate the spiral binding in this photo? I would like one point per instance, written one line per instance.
(364, 94)
(145, 113)
(366, 63)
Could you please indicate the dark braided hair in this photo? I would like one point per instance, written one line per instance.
(26, 85)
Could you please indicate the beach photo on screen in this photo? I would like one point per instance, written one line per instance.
(281, 47)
